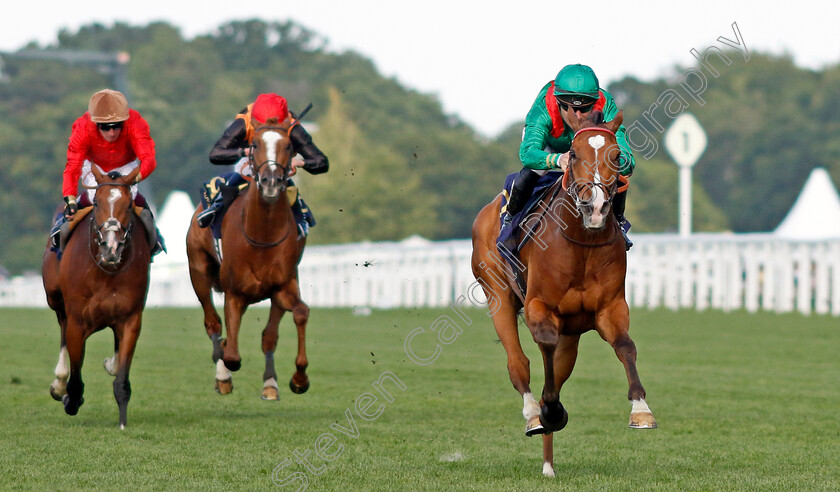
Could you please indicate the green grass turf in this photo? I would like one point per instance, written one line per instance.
(743, 401)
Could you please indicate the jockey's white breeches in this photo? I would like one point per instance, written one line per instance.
(89, 181)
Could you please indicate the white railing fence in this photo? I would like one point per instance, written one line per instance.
(708, 271)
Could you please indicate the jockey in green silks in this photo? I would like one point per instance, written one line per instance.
(547, 138)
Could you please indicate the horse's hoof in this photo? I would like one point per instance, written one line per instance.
(298, 389)
(642, 420)
(57, 394)
(534, 426)
(71, 408)
(224, 387)
(553, 417)
(233, 365)
(270, 393)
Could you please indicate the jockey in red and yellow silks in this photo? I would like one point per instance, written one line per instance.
(233, 148)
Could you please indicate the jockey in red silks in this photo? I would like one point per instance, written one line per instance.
(114, 138)
(234, 147)
(547, 138)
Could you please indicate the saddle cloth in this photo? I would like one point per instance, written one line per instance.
(543, 184)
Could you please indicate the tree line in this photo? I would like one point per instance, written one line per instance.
(399, 164)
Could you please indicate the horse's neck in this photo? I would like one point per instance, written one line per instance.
(265, 220)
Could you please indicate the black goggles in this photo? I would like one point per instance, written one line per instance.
(110, 126)
(580, 108)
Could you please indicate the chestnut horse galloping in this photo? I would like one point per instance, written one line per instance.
(573, 269)
(101, 281)
(260, 252)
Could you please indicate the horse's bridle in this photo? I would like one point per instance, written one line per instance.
(110, 225)
(256, 167)
(574, 188)
(255, 170)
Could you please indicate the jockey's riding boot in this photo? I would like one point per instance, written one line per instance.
(55, 231)
(148, 221)
(205, 218)
(160, 244)
(625, 227)
(302, 217)
(619, 203)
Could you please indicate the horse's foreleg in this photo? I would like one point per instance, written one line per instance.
(75, 346)
(289, 300)
(564, 361)
(235, 307)
(269, 345)
(126, 337)
(613, 326)
(545, 328)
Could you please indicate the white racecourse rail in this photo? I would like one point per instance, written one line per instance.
(705, 271)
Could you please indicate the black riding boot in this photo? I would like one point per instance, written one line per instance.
(205, 218)
(148, 221)
(520, 192)
(619, 203)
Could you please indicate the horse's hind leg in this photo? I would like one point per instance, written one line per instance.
(289, 300)
(503, 313)
(58, 388)
(269, 344)
(203, 273)
(110, 364)
(126, 341)
(613, 326)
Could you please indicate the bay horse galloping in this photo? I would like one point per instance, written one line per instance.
(101, 281)
(573, 270)
(260, 251)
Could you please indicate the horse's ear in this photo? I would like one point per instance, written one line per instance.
(616, 122)
(97, 174)
(132, 176)
(575, 122)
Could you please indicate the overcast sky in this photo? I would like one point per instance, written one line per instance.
(484, 60)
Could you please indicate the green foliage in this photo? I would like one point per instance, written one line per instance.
(400, 165)
(741, 405)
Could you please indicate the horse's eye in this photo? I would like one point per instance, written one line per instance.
(572, 155)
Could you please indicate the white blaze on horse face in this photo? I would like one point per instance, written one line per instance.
(271, 139)
(115, 195)
(598, 198)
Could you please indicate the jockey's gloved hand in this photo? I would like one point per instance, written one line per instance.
(70, 207)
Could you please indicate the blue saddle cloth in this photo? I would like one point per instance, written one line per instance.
(543, 184)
